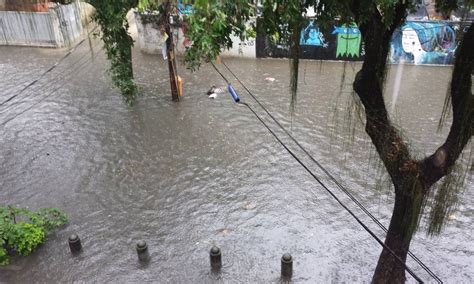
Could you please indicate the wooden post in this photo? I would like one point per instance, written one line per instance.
(170, 54)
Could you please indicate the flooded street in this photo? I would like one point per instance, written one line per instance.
(186, 176)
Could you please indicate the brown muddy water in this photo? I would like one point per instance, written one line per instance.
(186, 176)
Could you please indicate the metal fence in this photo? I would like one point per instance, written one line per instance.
(58, 27)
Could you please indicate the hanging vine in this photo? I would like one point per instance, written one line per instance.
(111, 15)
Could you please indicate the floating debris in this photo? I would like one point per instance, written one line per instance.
(215, 90)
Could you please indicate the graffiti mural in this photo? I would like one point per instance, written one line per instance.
(424, 43)
(185, 9)
(312, 36)
(348, 41)
(340, 43)
(416, 42)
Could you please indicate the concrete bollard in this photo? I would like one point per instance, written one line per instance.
(75, 243)
(216, 258)
(142, 251)
(286, 266)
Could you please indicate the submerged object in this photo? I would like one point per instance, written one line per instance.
(286, 266)
(179, 81)
(213, 96)
(75, 243)
(142, 251)
(232, 92)
(219, 90)
(214, 90)
(211, 90)
(216, 258)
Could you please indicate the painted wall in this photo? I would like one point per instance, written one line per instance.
(339, 42)
(428, 42)
(425, 43)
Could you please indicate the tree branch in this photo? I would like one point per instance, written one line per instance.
(440, 162)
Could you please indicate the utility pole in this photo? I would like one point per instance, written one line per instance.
(170, 53)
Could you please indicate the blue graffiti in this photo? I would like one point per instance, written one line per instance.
(424, 43)
(185, 9)
(346, 30)
(312, 36)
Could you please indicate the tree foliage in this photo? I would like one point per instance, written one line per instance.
(22, 230)
(111, 15)
(413, 179)
(211, 25)
(148, 5)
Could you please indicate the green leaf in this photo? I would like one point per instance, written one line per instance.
(22, 230)
(4, 258)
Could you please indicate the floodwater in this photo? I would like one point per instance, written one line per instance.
(186, 176)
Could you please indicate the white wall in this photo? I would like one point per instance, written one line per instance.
(240, 48)
(246, 48)
(149, 37)
(150, 41)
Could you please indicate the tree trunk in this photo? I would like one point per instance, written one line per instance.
(392, 150)
(411, 178)
(405, 214)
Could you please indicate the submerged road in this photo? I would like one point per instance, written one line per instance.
(185, 176)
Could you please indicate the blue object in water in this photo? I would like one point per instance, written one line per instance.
(232, 92)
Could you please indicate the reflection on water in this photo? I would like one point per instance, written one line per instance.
(189, 175)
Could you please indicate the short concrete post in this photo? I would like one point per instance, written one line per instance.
(74, 243)
(286, 266)
(142, 251)
(216, 258)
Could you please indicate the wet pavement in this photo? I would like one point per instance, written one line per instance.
(186, 176)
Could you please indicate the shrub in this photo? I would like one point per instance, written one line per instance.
(22, 230)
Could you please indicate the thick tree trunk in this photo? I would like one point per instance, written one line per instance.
(411, 178)
(402, 225)
(392, 150)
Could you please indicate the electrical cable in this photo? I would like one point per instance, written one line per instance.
(357, 202)
(324, 186)
(48, 95)
(70, 65)
(49, 69)
(65, 73)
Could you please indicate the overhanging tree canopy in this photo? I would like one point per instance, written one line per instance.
(413, 179)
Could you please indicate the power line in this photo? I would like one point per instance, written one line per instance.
(346, 191)
(42, 75)
(46, 96)
(49, 69)
(66, 72)
(325, 187)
